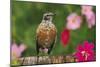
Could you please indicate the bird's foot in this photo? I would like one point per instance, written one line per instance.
(43, 51)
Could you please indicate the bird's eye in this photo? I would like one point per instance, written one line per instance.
(48, 15)
(45, 18)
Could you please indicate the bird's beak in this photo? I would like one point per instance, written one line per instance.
(52, 14)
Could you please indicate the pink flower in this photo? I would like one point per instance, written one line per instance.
(90, 19)
(85, 52)
(65, 36)
(90, 15)
(73, 21)
(86, 9)
(17, 50)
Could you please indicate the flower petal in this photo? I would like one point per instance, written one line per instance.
(79, 56)
(73, 21)
(88, 46)
(80, 48)
(86, 9)
(15, 50)
(65, 35)
(22, 47)
(90, 19)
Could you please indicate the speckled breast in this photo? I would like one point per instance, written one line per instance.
(46, 34)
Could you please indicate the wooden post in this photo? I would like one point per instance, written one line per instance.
(36, 60)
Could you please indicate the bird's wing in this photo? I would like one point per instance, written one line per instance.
(37, 46)
(52, 45)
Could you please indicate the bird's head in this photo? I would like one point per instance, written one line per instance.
(48, 16)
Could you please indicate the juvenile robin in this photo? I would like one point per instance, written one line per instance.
(46, 34)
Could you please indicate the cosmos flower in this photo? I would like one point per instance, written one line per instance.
(73, 21)
(86, 9)
(65, 36)
(89, 14)
(90, 19)
(16, 50)
(85, 52)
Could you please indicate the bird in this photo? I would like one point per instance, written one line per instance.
(46, 34)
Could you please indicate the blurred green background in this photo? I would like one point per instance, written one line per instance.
(26, 16)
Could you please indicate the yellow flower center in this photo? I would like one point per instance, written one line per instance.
(74, 19)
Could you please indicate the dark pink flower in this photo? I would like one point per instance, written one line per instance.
(85, 52)
(65, 36)
(16, 50)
